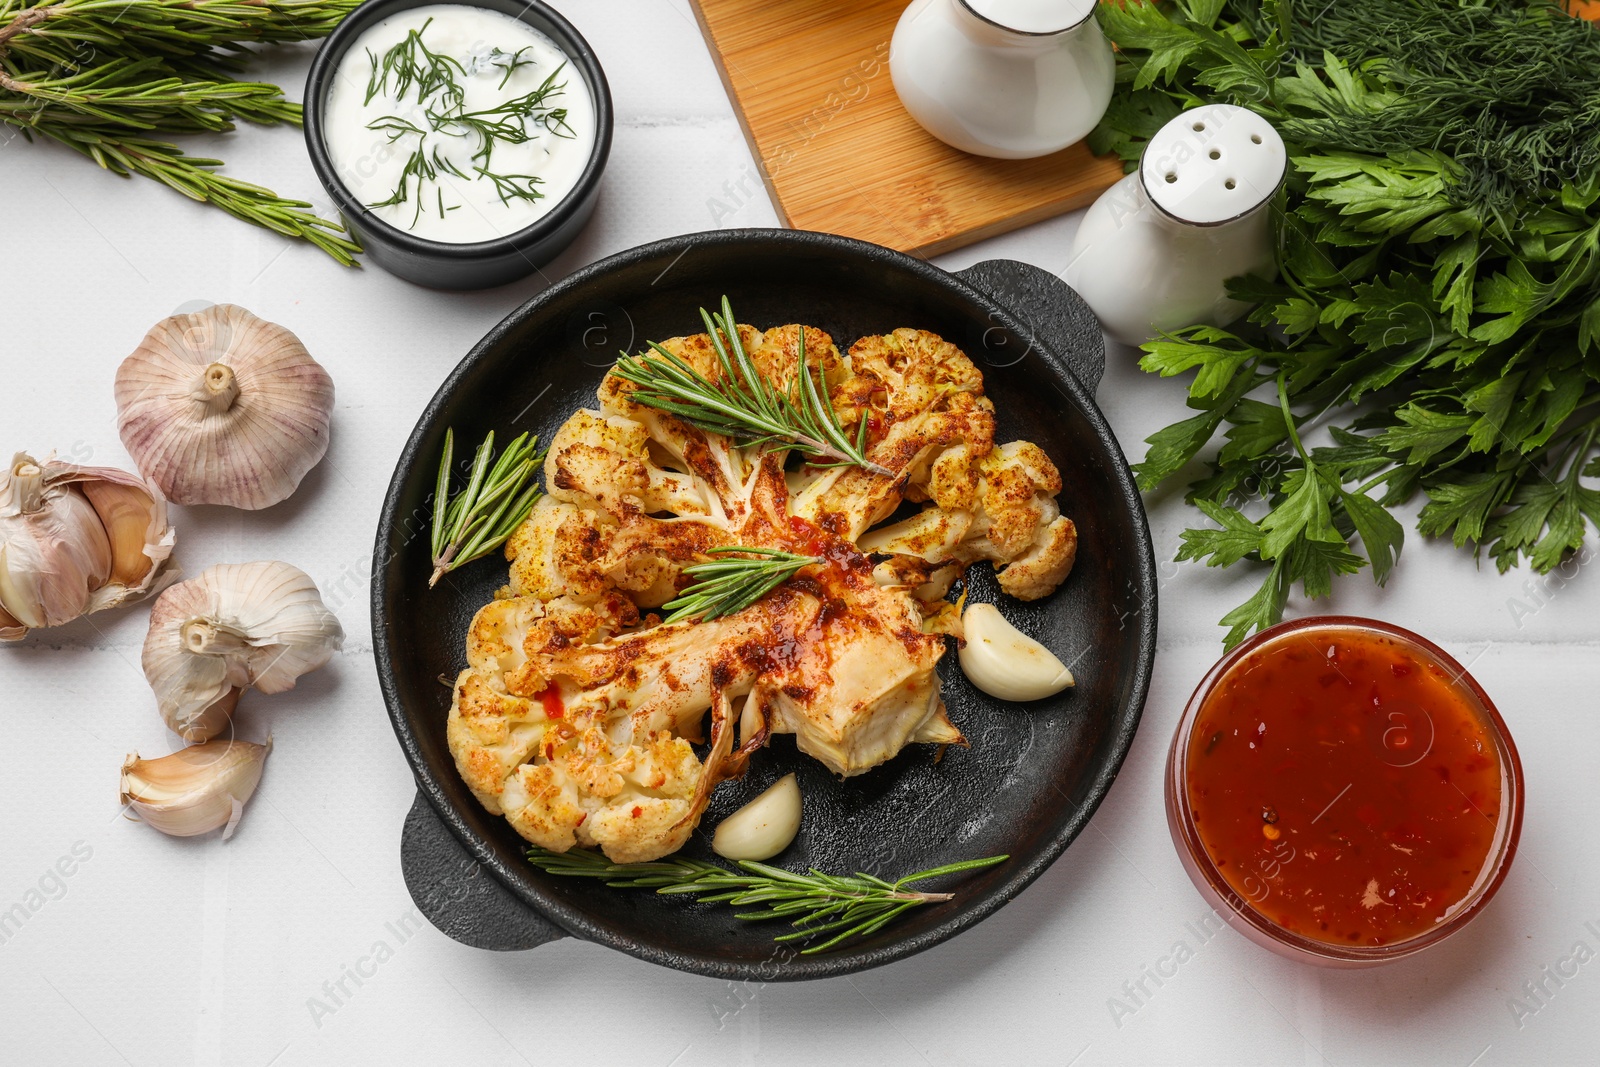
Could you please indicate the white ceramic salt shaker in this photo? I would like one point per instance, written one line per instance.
(1153, 252)
(1011, 79)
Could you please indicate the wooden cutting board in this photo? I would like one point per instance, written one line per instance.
(810, 82)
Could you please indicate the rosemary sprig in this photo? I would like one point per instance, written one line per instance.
(733, 581)
(815, 904)
(498, 496)
(111, 78)
(742, 404)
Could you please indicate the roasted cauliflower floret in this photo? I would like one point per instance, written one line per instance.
(1010, 518)
(605, 463)
(578, 712)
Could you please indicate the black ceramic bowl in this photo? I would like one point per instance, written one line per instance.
(482, 264)
(1034, 772)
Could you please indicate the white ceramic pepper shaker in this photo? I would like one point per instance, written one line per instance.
(1011, 79)
(1153, 253)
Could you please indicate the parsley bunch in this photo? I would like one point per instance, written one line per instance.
(1437, 308)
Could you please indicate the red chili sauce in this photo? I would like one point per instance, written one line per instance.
(549, 699)
(1345, 785)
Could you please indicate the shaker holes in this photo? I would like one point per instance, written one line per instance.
(1215, 154)
(1172, 176)
(1230, 183)
(1199, 126)
(1255, 138)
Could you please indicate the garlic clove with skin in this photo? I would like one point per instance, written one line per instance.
(221, 407)
(55, 554)
(762, 828)
(1005, 662)
(75, 540)
(231, 628)
(194, 790)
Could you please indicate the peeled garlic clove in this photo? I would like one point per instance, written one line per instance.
(221, 407)
(233, 627)
(75, 540)
(762, 828)
(195, 790)
(1006, 663)
(124, 512)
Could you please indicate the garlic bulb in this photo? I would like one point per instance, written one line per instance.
(195, 790)
(1006, 663)
(220, 407)
(762, 828)
(75, 540)
(234, 626)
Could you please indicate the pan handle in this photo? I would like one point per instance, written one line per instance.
(458, 895)
(1049, 307)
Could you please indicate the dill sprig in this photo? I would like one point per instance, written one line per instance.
(497, 499)
(509, 62)
(111, 79)
(510, 187)
(835, 907)
(1507, 91)
(508, 121)
(434, 80)
(412, 64)
(742, 404)
(738, 577)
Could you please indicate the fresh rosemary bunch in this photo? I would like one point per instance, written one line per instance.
(112, 78)
(434, 79)
(742, 404)
(815, 904)
(1437, 309)
(738, 577)
(497, 499)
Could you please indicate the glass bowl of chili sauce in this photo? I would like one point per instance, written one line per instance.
(1343, 792)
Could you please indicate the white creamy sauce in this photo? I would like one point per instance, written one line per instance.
(494, 62)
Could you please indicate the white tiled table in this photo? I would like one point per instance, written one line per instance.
(164, 952)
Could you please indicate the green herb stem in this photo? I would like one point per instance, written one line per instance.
(742, 404)
(499, 495)
(733, 580)
(833, 907)
(111, 79)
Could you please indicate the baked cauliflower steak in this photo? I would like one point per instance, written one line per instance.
(579, 710)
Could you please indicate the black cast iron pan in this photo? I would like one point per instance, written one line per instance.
(1034, 772)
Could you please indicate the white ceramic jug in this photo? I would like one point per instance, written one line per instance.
(1012, 79)
(1153, 252)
